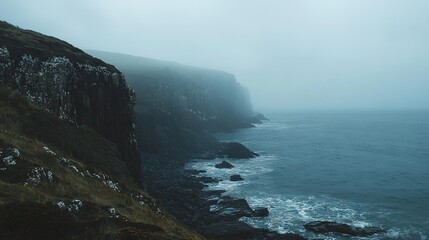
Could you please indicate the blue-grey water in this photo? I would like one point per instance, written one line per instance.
(365, 168)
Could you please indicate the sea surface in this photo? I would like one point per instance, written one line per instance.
(365, 168)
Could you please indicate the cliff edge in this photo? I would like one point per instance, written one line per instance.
(178, 106)
(71, 84)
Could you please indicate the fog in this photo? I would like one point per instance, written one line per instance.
(300, 54)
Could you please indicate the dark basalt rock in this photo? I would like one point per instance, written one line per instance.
(195, 172)
(334, 227)
(232, 230)
(235, 178)
(224, 164)
(260, 212)
(231, 209)
(208, 180)
(72, 85)
(236, 150)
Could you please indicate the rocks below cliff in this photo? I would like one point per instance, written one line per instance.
(236, 150)
(224, 164)
(235, 178)
(233, 230)
(334, 227)
(261, 212)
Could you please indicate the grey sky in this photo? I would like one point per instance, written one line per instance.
(290, 54)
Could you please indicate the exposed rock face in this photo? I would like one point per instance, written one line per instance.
(236, 150)
(261, 212)
(235, 178)
(333, 227)
(224, 164)
(72, 85)
(177, 106)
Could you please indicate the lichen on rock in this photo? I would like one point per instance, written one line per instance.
(80, 93)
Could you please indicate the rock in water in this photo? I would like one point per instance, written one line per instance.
(236, 178)
(231, 209)
(224, 164)
(260, 212)
(237, 150)
(334, 227)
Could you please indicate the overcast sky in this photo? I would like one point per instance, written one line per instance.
(290, 54)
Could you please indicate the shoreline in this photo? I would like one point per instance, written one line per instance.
(182, 193)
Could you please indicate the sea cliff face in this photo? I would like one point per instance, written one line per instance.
(69, 162)
(72, 85)
(177, 106)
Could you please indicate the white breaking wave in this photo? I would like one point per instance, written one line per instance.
(288, 213)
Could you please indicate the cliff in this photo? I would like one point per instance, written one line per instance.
(58, 181)
(72, 85)
(68, 154)
(177, 106)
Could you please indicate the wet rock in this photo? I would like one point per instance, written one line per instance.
(236, 150)
(208, 180)
(260, 212)
(334, 227)
(194, 171)
(235, 178)
(230, 209)
(232, 230)
(224, 164)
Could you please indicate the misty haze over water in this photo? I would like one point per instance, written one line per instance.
(298, 54)
(345, 84)
(364, 168)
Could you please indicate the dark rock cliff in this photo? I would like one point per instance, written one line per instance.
(177, 106)
(71, 84)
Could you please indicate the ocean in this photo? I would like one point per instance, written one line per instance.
(364, 168)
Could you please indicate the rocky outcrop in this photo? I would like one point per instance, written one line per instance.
(236, 178)
(236, 150)
(224, 164)
(261, 212)
(334, 227)
(72, 85)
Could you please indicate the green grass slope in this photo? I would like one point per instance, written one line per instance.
(58, 181)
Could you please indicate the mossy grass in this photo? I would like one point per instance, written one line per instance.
(30, 129)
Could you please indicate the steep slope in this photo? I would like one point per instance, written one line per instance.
(58, 181)
(68, 154)
(176, 105)
(72, 85)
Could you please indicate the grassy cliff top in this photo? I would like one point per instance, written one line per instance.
(20, 42)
